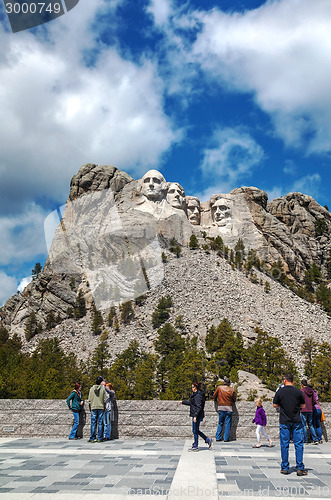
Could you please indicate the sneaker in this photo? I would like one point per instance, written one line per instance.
(210, 442)
(320, 441)
(315, 442)
(194, 448)
(284, 471)
(100, 440)
(302, 472)
(92, 441)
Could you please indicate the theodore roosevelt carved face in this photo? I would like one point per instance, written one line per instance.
(176, 195)
(153, 185)
(193, 209)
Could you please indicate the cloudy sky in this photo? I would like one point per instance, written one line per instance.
(216, 94)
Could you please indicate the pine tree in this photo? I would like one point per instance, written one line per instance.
(194, 243)
(97, 321)
(80, 307)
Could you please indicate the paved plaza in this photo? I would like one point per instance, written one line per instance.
(123, 469)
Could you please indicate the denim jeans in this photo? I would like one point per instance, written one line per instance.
(307, 419)
(224, 418)
(96, 416)
(317, 423)
(285, 432)
(106, 425)
(73, 431)
(196, 432)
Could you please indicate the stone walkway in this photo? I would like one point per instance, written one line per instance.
(121, 469)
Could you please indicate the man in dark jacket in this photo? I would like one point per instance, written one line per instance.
(307, 412)
(290, 400)
(197, 405)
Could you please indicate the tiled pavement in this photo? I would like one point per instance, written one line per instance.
(62, 469)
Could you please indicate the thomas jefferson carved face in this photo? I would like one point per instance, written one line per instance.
(176, 195)
(221, 211)
(193, 209)
(153, 185)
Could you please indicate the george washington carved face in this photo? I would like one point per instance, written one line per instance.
(153, 185)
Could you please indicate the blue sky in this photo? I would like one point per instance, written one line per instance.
(216, 94)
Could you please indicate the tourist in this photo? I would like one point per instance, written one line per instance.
(317, 416)
(109, 415)
(197, 405)
(75, 403)
(307, 412)
(97, 400)
(225, 397)
(260, 420)
(290, 400)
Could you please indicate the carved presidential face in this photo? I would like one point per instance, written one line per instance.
(221, 211)
(176, 195)
(153, 185)
(193, 210)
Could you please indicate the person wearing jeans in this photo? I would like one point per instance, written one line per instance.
(225, 397)
(290, 401)
(74, 402)
(97, 400)
(197, 404)
(307, 412)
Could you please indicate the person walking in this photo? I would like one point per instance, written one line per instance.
(290, 400)
(260, 420)
(307, 412)
(97, 400)
(74, 402)
(109, 414)
(225, 397)
(197, 405)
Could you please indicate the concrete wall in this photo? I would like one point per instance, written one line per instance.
(145, 419)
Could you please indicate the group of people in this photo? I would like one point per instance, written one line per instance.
(297, 410)
(224, 396)
(101, 400)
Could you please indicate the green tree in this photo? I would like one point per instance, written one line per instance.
(321, 227)
(36, 270)
(308, 351)
(266, 358)
(170, 346)
(161, 313)
(194, 243)
(127, 313)
(33, 326)
(122, 372)
(100, 360)
(80, 306)
(321, 372)
(50, 320)
(97, 321)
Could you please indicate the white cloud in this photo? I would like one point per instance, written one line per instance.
(308, 184)
(22, 235)
(161, 11)
(280, 52)
(8, 286)
(233, 156)
(58, 112)
(23, 283)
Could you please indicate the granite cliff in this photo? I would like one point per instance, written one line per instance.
(111, 245)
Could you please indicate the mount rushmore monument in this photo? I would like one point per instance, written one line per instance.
(107, 242)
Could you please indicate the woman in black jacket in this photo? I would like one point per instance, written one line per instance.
(197, 404)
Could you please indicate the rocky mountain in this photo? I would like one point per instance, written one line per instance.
(117, 239)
